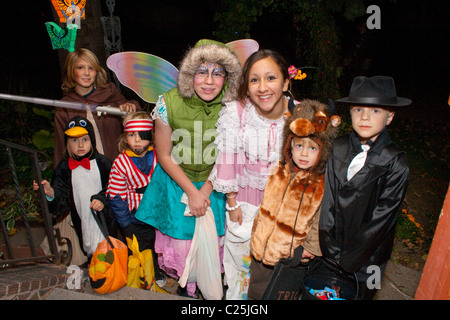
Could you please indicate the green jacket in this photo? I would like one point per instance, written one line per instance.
(193, 122)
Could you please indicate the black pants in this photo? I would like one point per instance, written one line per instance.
(260, 275)
(364, 292)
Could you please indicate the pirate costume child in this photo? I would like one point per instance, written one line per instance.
(130, 175)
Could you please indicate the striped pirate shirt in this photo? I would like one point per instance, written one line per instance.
(125, 179)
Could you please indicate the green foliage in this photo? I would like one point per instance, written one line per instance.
(43, 139)
(417, 139)
(235, 18)
(409, 232)
(46, 113)
(317, 34)
(21, 121)
(11, 210)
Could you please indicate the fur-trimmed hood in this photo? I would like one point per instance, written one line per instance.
(211, 53)
(315, 120)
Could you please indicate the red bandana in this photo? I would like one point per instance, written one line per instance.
(138, 125)
(85, 163)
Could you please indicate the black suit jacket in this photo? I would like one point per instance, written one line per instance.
(358, 217)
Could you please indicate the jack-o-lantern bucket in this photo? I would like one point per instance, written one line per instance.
(108, 267)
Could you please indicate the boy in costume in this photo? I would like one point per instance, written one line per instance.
(366, 180)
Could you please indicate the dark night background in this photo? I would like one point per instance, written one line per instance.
(412, 45)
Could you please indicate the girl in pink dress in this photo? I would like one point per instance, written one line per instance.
(249, 141)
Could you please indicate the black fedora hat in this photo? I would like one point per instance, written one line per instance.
(377, 91)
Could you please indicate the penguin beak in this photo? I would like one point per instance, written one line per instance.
(76, 132)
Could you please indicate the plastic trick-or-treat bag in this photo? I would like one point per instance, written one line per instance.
(108, 267)
(203, 260)
(141, 271)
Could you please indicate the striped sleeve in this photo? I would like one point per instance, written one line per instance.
(117, 179)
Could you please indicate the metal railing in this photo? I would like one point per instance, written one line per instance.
(51, 232)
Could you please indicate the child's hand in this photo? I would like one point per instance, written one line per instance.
(48, 190)
(127, 107)
(307, 255)
(236, 215)
(198, 203)
(97, 205)
(207, 188)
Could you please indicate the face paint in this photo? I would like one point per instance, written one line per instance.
(216, 72)
(209, 80)
(136, 143)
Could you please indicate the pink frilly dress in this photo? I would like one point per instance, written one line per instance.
(249, 145)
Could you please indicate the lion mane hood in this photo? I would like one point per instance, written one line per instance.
(315, 120)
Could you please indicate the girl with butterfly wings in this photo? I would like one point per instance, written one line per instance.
(185, 113)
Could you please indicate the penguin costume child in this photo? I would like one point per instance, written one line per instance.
(77, 181)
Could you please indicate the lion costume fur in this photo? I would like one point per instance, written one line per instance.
(292, 197)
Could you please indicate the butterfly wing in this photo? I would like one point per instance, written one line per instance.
(146, 74)
(150, 76)
(243, 48)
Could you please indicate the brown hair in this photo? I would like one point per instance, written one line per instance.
(123, 145)
(68, 84)
(255, 57)
(69, 152)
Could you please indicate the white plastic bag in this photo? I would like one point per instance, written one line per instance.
(203, 260)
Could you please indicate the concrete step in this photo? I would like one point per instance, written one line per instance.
(49, 282)
(125, 293)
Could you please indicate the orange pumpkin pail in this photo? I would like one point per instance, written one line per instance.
(108, 267)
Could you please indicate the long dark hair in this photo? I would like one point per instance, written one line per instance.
(255, 57)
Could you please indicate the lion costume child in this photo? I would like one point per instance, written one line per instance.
(290, 192)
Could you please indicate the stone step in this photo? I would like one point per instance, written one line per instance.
(125, 293)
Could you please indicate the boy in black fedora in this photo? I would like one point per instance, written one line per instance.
(366, 180)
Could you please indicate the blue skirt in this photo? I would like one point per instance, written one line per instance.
(162, 208)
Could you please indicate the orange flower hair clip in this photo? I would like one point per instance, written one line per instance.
(296, 74)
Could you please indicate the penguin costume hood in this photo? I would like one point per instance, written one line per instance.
(77, 127)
